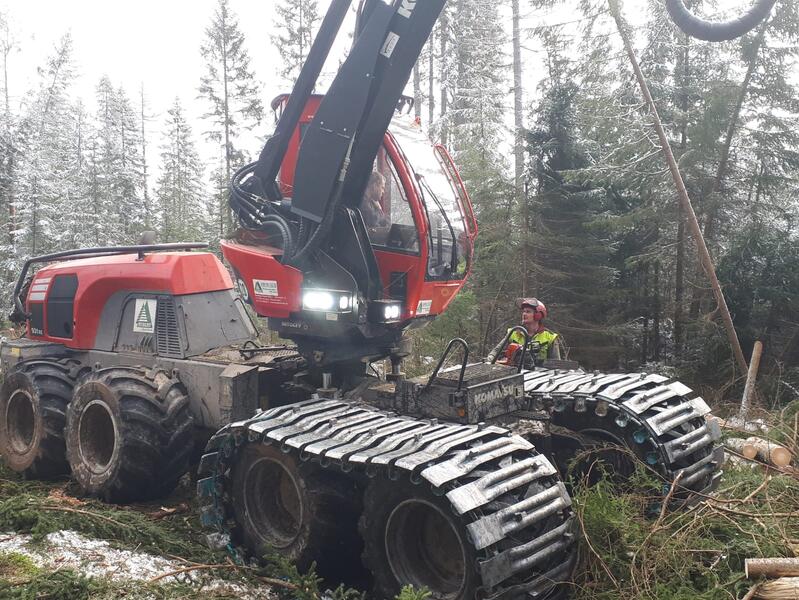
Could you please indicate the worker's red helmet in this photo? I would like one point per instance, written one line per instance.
(534, 303)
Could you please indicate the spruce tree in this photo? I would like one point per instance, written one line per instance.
(296, 25)
(180, 193)
(117, 180)
(40, 195)
(230, 87)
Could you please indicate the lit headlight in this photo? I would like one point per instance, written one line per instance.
(384, 311)
(327, 301)
(392, 312)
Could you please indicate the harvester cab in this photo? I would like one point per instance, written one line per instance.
(352, 233)
(394, 259)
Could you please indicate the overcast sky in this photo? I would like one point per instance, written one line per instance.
(154, 43)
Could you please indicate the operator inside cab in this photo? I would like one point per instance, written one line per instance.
(374, 215)
(543, 343)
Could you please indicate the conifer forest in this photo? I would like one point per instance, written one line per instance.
(574, 201)
(540, 108)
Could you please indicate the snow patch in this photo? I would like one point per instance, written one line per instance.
(97, 558)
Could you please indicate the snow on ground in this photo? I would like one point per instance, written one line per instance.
(97, 558)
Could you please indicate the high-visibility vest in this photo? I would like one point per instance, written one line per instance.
(545, 339)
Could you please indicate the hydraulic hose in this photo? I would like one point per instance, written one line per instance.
(711, 31)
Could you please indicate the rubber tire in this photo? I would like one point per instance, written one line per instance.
(328, 505)
(40, 452)
(380, 500)
(148, 427)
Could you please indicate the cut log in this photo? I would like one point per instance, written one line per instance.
(742, 447)
(770, 452)
(771, 567)
(785, 588)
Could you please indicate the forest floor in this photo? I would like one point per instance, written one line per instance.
(56, 544)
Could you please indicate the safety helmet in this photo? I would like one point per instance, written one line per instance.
(534, 303)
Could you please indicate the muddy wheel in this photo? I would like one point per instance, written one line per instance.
(411, 537)
(129, 433)
(299, 510)
(33, 403)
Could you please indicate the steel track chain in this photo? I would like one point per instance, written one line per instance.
(525, 544)
(666, 419)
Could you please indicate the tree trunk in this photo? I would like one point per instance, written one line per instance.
(444, 25)
(679, 287)
(656, 314)
(431, 99)
(679, 275)
(144, 164)
(519, 188)
(645, 316)
(751, 377)
(682, 193)
(224, 213)
(771, 567)
(784, 588)
(417, 92)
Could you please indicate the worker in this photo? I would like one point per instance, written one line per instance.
(371, 209)
(544, 343)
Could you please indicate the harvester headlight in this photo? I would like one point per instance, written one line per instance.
(385, 311)
(327, 301)
(392, 312)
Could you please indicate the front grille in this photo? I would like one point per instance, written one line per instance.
(166, 329)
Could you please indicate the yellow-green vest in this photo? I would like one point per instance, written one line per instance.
(545, 339)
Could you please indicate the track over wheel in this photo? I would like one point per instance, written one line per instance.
(297, 509)
(129, 433)
(412, 537)
(33, 403)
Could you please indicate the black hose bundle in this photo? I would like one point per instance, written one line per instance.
(254, 212)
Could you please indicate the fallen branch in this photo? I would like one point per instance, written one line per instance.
(268, 580)
(86, 513)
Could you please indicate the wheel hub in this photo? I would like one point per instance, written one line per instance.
(97, 436)
(273, 502)
(424, 549)
(21, 421)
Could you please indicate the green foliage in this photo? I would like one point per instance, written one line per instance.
(15, 567)
(411, 593)
(695, 553)
(459, 320)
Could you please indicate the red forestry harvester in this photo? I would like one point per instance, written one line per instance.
(354, 229)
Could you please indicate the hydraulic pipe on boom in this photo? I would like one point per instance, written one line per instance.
(711, 31)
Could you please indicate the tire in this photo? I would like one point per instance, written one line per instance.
(33, 405)
(296, 509)
(607, 444)
(411, 537)
(129, 433)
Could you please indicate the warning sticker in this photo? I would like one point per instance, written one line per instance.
(388, 46)
(264, 287)
(423, 308)
(144, 316)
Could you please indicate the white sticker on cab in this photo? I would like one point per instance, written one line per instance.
(264, 287)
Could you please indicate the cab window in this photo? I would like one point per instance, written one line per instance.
(386, 211)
